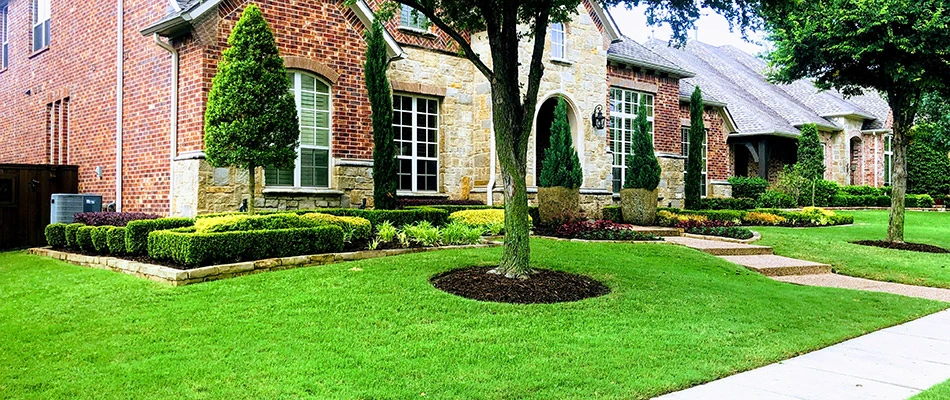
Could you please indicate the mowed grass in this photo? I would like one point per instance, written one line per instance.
(377, 329)
(939, 392)
(831, 245)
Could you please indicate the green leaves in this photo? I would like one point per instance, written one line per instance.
(385, 165)
(643, 169)
(561, 167)
(697, 134)
(811, 157)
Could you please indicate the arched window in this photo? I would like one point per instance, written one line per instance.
(312, 168)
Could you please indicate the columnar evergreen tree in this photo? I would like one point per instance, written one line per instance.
(896, 47)
(643, 169)
(811, 158)
(561, 167)
(251, 116)
(385, 167)
(515, 78)
(694, 153)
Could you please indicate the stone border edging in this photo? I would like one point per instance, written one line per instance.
(756, 236)
(177, 277)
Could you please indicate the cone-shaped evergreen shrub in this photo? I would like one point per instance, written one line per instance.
(811, 157)
(694, 159)
(385, 167)
(643, 169)
(251, 116)
(561, 167)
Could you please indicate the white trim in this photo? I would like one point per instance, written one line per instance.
(365, 14)
(613, 31)
(119, 77)
(297, 89)
(623, 116)
(558, 50)
(4, 36)
(577, 132)
(414, 142)
(40, 17)
(300, 190)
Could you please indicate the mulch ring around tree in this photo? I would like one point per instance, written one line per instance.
(543, 286)
(918, 247)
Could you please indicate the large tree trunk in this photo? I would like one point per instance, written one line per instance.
(252, 185)
(511, 138)
(903, 105)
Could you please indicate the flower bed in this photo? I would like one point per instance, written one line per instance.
(807, 217)
(601, 230)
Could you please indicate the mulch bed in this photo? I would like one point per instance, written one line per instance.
(918, 247)
(543, 286)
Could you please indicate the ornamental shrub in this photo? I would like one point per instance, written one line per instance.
(862, 190)
(423, 234)
(718, 215)
(561, 167)
(71, 230)
(115, 240)
(354, 228)
(600, 230)
(613, 213)
(763, 218)
(99, 239)
(438, 203)
(734, 232)
(111, 218)
(434, 216)
(643, 169)
(919, 201)
(136, 232)
(84, 239)
(775, 199)
(244, 222)
(750, 187)
(491, 221)
(694, 154)
(726, 203)
(385, 165)
(928, 166)
(187, 247)
(456, 233)
(56, 235)
(811, 161)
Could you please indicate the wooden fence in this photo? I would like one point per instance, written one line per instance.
(25, 200)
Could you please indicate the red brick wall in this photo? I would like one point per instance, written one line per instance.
(666, 103)
(718, 164)
(80, 64)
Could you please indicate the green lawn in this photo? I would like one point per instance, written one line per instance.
(377, 329)
(831, 245)
(939, 392)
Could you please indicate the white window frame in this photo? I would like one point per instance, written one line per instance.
(414, 142)
(411, 19)
(558, 41)
(41, 18)
(296, 89)
(620, 119)
(4, 36)
(888, 160)
(684, 133)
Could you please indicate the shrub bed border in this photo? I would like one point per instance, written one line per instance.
(177, 277)
(755, 237)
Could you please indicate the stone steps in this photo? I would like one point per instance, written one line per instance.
(772, 265)
(721, 248)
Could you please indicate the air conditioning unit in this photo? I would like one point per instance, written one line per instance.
(64, 205)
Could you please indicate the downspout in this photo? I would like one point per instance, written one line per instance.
(119, 69)
(491, 164)
(173, 124)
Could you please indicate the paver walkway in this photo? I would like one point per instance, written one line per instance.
(756, 258)
(849, 282)
(893, 363)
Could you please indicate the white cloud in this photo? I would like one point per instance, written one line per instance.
(712, 29)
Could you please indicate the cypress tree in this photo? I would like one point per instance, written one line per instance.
(251, 116)
(697, 132)
(811, 158)
(561, 166)
(385, 167)
(643, 169)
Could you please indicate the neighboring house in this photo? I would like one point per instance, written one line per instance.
(766, 118)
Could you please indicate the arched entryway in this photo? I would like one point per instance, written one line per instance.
(542, 137)
(856, 163)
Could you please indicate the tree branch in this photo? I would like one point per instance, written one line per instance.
(453, 33)
(536, 68)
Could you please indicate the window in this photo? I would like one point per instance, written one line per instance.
(41, 11)
(623, 110)
(412, 19)
(313, 154)
(704, 161)
(888, 159)
(416, 130)
(558, 41)
(57, 132)
(4, 36)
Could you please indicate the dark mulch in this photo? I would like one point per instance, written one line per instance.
(543, 286)
(918, 247)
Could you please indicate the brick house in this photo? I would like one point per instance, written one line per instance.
(122, 95)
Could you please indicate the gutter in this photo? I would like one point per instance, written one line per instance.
(173, 118)
(714, 103)
(662, 68)
(119, 75)
(491, 165)
(774, 133)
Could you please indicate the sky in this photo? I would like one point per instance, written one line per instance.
(713, 29)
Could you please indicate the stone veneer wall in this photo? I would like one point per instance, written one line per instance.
(672, 180)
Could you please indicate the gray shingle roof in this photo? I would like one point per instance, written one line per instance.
(629, 51)
(757, 106)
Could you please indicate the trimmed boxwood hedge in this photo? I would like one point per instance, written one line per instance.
(136, 232)
(71, 230)
(84, 238)
(613, 213)
(435, 216)
(99, 236)
(56, 235)
(244, 222)
(115, 240)
(726, 203)
(187, 247)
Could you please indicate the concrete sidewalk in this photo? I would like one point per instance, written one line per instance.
(893, 363)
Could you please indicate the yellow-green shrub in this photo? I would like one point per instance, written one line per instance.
(492, 221)
(353, 227)
(761, 218)
(243, 222)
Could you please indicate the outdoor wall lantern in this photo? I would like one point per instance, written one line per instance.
(597, 119)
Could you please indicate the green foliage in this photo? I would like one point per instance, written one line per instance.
(775, 199)
(842, 199)
(491, 222)
(919, 201)
(748, 186)
(386, 231)
(115, 240)
(726, 203)
(423, 233)
(354, 228)
(55, 235)
(643, 169)
(613, 214)
(434, 216)
(734, 232)
(863, 190)
(99, 239)
(694, 159)
(561, 167)
(136, 232)
(187, 247)
(71, 230)
(84, 239)
(811, 158)
(928, 166)
(243, 222)
(717, 215)
(460, 234)
(251, 115)
(385, 167)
